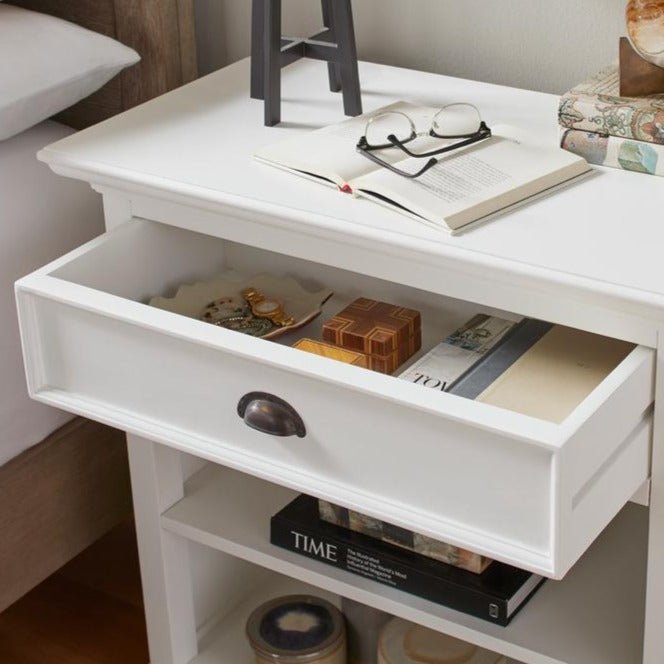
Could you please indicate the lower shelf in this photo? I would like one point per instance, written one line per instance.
(594, 616)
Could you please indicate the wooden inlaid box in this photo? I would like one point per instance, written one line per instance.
(333, 352)
(387, 333)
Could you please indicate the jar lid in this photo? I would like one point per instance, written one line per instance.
(295, 629)
(402, 642)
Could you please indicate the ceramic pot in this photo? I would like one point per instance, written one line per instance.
(297, 629)
(402, 642)
(645, 28)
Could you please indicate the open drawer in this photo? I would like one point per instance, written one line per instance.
(518, 489)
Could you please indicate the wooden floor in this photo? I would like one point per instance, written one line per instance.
(89, 612)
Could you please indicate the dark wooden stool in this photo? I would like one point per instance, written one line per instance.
(270, 52)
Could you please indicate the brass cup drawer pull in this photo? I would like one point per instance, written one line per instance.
(270, 414)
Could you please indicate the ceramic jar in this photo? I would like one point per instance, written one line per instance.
(298, 629)
(402, 642)
(645, 27)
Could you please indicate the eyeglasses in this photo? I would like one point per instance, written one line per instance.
(395, 129)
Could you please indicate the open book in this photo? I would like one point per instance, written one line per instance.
(467, 185)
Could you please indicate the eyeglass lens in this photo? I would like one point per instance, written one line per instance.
(391, 123)
(456, 120)
(453, 120)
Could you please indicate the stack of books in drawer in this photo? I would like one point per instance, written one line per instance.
(609, 130)
(530, 367)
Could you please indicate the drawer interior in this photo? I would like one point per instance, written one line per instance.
(148, 259)
(144, 259)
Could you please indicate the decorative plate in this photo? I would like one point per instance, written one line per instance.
(225, 292)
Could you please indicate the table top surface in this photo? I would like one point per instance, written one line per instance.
(606, 232)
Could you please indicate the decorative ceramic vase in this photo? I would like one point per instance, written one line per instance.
(645, 27)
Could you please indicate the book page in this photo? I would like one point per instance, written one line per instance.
(331, 152)
(474, 181)
(463, 177)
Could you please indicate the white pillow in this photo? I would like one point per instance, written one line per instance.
(47, 64)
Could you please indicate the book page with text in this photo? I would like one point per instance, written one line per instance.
(474, 181)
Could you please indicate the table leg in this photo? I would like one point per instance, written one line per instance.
(117, 209)
(157, 483)
(333, 69)
(272, 62)
(257, 49)
(345, 35)
(653, 652)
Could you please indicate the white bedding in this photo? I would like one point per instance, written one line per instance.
(42, 216)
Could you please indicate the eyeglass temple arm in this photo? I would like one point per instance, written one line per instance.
(411, 176)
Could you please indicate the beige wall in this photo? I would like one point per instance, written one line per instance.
(540, 44)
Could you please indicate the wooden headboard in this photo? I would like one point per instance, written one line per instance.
(161, 31)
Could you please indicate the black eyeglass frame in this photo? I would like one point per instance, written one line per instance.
(366, 149)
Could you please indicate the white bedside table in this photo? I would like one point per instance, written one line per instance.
(183, 199)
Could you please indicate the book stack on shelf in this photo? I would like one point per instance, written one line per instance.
(494, 591)
(609, 130)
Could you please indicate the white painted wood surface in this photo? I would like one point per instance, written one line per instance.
(164, 558)
(654, 644)
(117, 208)
(103, 353)
(588, 257)
(593, 616)
(589, 254)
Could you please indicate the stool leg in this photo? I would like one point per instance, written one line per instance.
(257, 49)
(332, 67)
(272, 60)
(345, 35)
